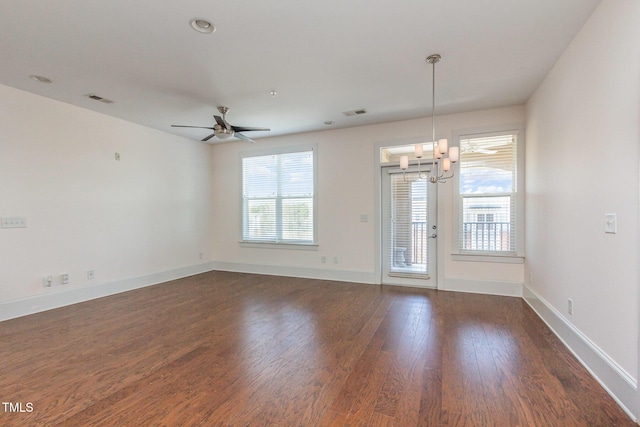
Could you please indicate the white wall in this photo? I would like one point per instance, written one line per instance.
(346, 190)
(583, 135)
(147, 213)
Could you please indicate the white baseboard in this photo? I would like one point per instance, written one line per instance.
(304, 272)
(507, 289)
(51, 300)
(622, 387)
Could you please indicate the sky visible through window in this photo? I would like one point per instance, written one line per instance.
(487, 165)
(483, 180)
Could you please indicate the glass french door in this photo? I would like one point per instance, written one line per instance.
(409, 230)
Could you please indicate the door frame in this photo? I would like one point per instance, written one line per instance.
(439, 195)
(388, 277)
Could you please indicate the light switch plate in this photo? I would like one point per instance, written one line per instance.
(610, 223)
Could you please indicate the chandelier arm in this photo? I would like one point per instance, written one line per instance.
(440, 178)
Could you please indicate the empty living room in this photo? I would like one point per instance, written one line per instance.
(320, 213)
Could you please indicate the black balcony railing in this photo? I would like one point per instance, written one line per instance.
(486, 236)
(477, 236)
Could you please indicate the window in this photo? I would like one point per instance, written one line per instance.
(485, 217)
(489, 188)
(278, 198)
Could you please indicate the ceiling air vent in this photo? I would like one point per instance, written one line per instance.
(354, 112)
(99, 98)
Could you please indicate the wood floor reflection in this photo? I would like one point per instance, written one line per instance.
(234, 349)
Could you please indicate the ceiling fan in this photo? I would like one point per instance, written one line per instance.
(473, 148)
(223, 129)
(485, 145)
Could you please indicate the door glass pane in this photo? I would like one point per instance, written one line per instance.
(409, 228)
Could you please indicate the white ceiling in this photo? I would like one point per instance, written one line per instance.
(322, 57)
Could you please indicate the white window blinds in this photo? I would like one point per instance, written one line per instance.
(278, 198)
(409, 231)
(488, 192)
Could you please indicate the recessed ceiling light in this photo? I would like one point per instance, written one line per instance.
(202, 26)
(329, 122)
(40, 79)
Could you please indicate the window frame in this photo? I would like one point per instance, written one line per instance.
(517, 255)
(283, 244)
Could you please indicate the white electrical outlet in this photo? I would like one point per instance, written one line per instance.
(91, 274)
(64, 279)
(570, 306)
(323, 259)
(47, 281)
(335, 259)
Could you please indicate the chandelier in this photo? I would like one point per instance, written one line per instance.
(443, 156)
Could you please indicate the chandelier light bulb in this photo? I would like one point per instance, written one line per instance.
(404, 162)
(454, 154)
(419, 150)
(443, 146)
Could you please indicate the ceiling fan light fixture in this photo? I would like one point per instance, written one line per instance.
(224, 135)
(202, 26)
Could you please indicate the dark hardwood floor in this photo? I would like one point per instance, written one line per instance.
(235, 349)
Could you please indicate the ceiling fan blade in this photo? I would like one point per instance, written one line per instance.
(209, 137)
(197, 127)
(244, 138)
(247, 129)
(220, 121)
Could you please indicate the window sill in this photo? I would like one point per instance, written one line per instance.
(505, 259)
(271, 245)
